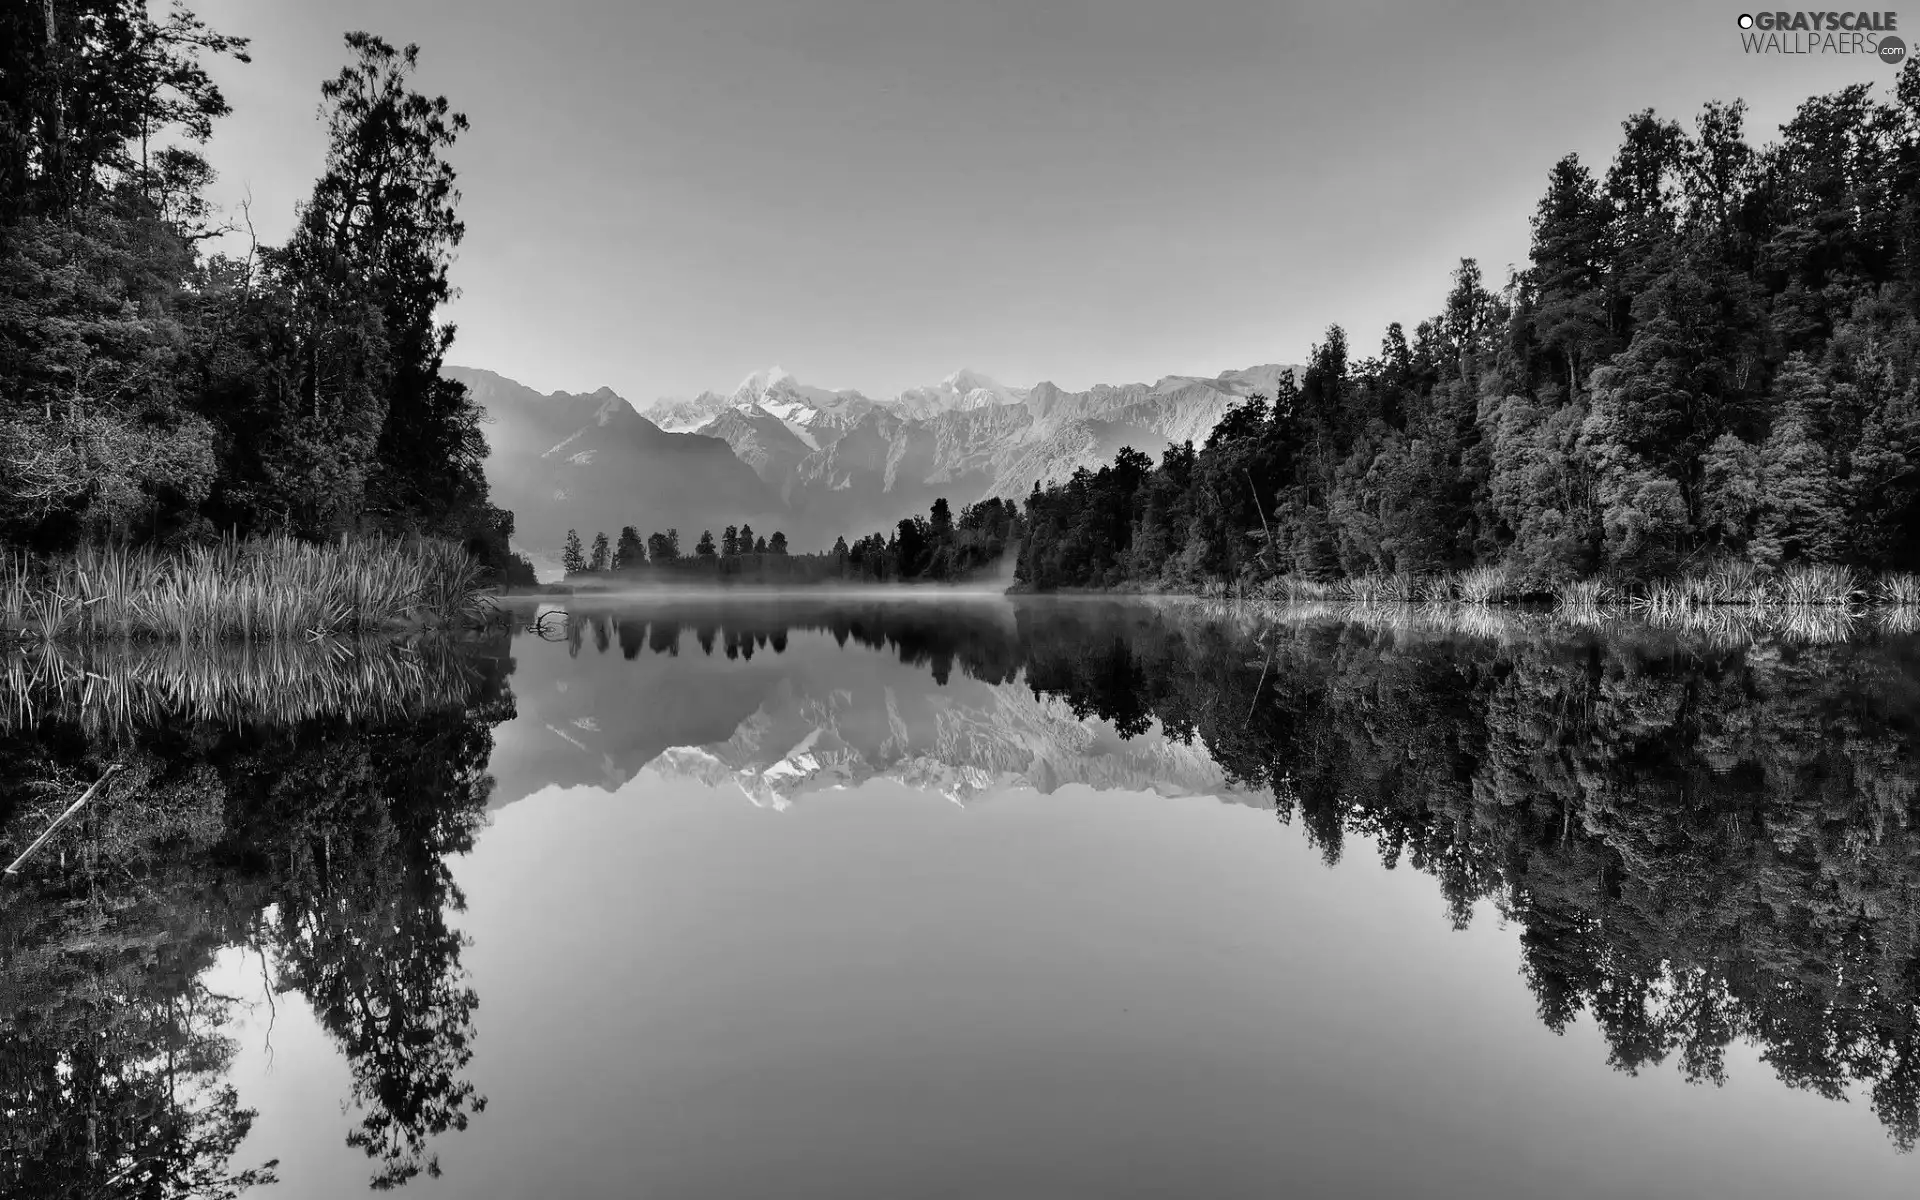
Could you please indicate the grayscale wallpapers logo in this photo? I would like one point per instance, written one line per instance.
(1863, 33)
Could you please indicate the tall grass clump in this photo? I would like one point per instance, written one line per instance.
(1812, 585)
(1898, 589)
(1482, 585)
(252, 589)
(1381, 589)
(1295, 589)
(1582, 597)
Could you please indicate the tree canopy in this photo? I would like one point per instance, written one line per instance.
(149, 391)
(1713, 355)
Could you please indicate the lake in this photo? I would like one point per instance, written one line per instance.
(835, 896)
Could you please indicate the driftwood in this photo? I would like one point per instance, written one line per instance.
(62, 819)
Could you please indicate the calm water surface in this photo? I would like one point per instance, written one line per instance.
(842, 898)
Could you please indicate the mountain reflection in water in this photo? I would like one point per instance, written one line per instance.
(1701, 842)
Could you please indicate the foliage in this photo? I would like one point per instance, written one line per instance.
(149, 394)
(1713, 354)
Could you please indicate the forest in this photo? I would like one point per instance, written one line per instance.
(155, 394)
(1711, 359)
(936, 548)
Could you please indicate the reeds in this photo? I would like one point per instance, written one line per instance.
(1730, 583)
(1897, 595)
(1483, 585)
(1898, 589)
(1584, 595)
(111, 689)
(241, 590)
(1731, 603)
(1817, 585)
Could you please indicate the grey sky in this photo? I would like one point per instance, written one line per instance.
(664, 196)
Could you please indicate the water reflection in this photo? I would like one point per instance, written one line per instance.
(320, 844)
(1700, 840)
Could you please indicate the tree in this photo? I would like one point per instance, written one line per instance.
(730, 541)
(89, 90)
(746, 539)
(601, 558)
(1802, 513)
(1571, 264)
(380, 226)
(631, 551)
(573, 561)
(100, 437)
(778, 544)
(704, 548)
(910, 545)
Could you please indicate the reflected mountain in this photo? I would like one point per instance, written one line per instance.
(760, 695)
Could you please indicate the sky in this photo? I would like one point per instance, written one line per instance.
(663, 197)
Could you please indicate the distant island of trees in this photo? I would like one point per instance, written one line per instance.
(935, 548)
(1710, 364)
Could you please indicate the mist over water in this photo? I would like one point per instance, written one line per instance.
(836, 892)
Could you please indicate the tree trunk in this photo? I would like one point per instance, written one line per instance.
(56, 111)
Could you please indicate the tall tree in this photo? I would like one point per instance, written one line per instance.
(1571, 262)
(630, 551)
(380, 230)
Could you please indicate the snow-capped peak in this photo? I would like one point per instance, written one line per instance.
(963, 390)
(761, 382)
(966, 379)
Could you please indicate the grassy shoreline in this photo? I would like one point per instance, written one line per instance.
(248, 590)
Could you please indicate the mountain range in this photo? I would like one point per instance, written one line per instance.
(815, 462)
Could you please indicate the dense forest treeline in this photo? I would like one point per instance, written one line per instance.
(1712, 356)
(937, 547)
(150, 392)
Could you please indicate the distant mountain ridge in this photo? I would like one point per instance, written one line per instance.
(590, 462)
(817, 462)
